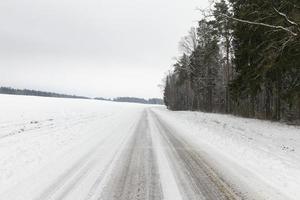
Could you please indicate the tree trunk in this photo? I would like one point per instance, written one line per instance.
(268, 100)
(252, 106)
(209, 99)
(278, 95)
(227, 98)
(298, 106)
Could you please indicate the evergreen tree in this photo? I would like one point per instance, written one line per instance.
(250, 48)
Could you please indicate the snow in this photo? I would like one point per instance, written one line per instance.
(260, 158)
(52, 143)
(40, 136)
(169, 185)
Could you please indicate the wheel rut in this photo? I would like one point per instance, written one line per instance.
(196, 180)
(136, 175)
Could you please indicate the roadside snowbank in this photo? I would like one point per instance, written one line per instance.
(258, 157)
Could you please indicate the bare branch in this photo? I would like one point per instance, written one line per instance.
(284, 45)
(189, 43)
(285, 17)
(262, 24)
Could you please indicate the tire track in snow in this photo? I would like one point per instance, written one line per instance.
(136, 174)
(196, 180)
(103, 173)
(50, 191)
(71, 177)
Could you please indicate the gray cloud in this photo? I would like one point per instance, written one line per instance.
(91, 47)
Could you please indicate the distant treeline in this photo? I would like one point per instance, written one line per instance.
(26, 92)
(9, 90)
(139, 100)
(134, 100)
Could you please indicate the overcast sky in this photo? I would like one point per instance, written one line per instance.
(102, 48)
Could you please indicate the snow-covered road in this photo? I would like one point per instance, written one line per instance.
(89, 150)
(137, 172)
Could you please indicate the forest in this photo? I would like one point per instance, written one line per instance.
(139, 100)
(242, 58)
(27, 92)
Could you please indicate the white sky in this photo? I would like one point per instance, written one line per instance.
(104, 48)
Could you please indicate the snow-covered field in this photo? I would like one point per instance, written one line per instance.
(52, 148)
(40, 136)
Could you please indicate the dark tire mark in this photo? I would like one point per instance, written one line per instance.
(136, 175)
(194, 177)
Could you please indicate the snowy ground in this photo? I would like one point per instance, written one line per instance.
(40, 137)
(260, 158)
(54, 148)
